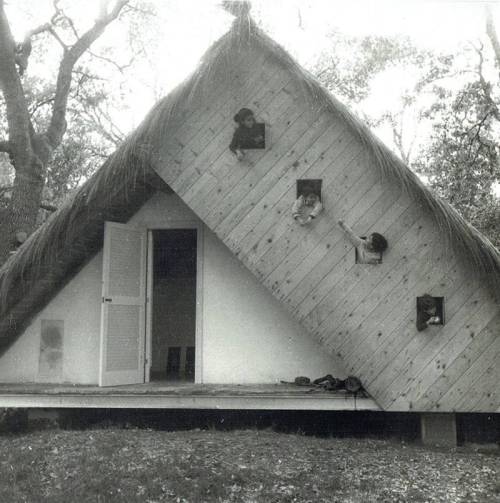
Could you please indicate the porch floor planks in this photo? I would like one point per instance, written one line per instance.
(386, 320)
(461, 370)
(185, 396)
(310, 164)
(424, 350)
(382, 276)
(298, 137)
(168, 388)
(343, 191)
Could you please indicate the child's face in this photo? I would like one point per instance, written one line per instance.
(249, 121)
(311, 199)
(369, 242)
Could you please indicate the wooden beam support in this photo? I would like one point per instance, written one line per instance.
(439, 429)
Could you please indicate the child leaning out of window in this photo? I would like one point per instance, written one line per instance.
(369, 249)
(306, 208)
(248, 134)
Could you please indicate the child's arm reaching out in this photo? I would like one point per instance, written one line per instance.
(297, 207)
(234, 147)
(353, 238)
(318, 208)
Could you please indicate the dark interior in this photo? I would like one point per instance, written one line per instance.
(439, 307)
(174, 305)
(306, 185)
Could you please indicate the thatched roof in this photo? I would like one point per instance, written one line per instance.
(74, 233)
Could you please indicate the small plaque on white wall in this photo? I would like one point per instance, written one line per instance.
(50, 364)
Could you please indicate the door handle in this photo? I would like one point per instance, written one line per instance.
(107, 299)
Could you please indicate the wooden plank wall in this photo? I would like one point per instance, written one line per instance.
(365, 314)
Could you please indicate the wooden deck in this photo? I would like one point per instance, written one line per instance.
(182, 396)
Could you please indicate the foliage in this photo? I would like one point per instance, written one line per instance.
(461, 163)
(447, 133)
(349, 67)
(36, 110)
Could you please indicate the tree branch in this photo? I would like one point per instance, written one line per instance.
(119, 67)
(54, 33)
(492, 35)
(485, 85)
(57, 125)
(48, 207)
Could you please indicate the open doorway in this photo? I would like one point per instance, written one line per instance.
(173, 326)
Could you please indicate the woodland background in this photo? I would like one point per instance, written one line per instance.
(69, 83)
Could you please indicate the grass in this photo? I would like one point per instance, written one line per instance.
(138, 465)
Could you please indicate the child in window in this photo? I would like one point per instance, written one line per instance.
(248, 134)
(370, 249)
(427, 312)
(306, 208)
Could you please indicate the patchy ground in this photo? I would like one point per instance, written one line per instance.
(248, 466)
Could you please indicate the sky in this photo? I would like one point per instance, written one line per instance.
(181, 30)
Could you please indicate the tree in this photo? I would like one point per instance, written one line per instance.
(461, 162)
(30, 149)
(352, 65)
(446, 133)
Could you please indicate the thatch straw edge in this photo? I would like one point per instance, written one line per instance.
(141, 151)
(471, 246)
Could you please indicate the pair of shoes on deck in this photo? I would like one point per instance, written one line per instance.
(351, 384)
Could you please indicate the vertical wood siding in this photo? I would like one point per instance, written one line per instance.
(364, 314)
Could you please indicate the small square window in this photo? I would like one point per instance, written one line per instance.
(375, 257)
(307, 186)
(257, 139)
(430, 311)
(249, 134)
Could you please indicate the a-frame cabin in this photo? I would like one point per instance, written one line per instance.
(175, 234)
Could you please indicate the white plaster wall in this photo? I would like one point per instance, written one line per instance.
(79, 305)
(248, 337)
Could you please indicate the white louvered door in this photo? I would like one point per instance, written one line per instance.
(123, 305)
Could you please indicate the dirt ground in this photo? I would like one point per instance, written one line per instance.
(138, 465)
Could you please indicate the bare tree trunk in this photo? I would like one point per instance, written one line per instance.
(492, 35)
(30, 152)
(24, 204)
